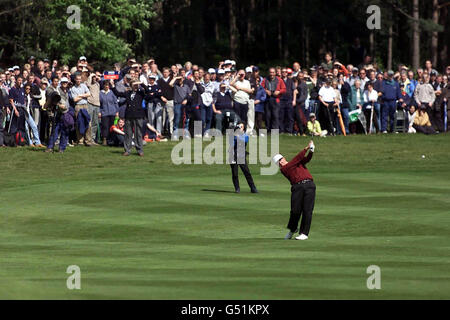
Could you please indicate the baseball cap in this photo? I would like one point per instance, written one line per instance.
(211, 70)
(227, 70)
(82, 58)
(135, 65)
(16, 68)
(46, 60)
(227, 62)
(64, 79)
(44, 80)
(128, 76)
(355, 69)
(276, 158)
(255, 69)
(312, 114)
(220, 71)
(289, 70)
(390, 73)
(248, 70)
(10, 69)
(32, 58)
(152, 76)
(233, 62)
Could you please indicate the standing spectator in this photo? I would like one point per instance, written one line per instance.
(192, 109)
(167, 93)
(274, 87)
(63, 121)
(94, 104)
(260, 98)
(30, 124)
(328, 98)
(80, 93)
(370, 100)
(242, 89)
(328, 63)
(134, 116)
(223, 107)
(296, 69)
(109, 110)
(425, 95)
(391, 93)
(154, 106)
(207, 101)
(286, 104)
(298, 100)
(180, 99)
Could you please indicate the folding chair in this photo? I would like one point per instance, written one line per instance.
(400, 121)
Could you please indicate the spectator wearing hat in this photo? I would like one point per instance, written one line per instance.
(425, 94)
(314, 128)
(242, 90)
(286, 103)
(154, 103)
(134, 115)
(275, 88)
(109, 110)
(260, 99)
(180, 100)
(63, 121)
(223, 107)
(391, 94)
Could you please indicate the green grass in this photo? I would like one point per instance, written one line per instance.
(142, 228)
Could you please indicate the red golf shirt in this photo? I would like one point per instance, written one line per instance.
(295, 170)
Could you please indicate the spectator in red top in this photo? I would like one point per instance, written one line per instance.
(275, 88)
(303, 191)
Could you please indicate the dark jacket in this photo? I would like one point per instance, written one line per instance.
(134, 100)
(302, 95)
(391, 90)
(108, 103)
(83, 120)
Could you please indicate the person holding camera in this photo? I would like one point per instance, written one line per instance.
(275, 88)
(238, 157)
(180, 99)
(223, 107)
(303, 191)
(242, 91)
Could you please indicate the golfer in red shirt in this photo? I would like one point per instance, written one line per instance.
(303, 191)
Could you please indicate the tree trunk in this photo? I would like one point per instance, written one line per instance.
(251, 12)
(372, 44)
(434, 35)
(280, 30)
(416, 36)
(389, 60)
(307, 46)
(233, 30)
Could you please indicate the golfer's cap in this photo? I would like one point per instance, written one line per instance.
(248, 70)
(355, 69)
(390, 73)
(227, 70)
(312, 115)
(82, 58)
(16, 68)
(64, 79)
(220, 71)
(211, 70)
(227, 62)
(276, 159)
(152, 76)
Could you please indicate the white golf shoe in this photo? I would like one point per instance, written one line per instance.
(302, 237)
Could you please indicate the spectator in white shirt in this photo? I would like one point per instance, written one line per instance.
(242, 90)
(328, 99)
(370, 100)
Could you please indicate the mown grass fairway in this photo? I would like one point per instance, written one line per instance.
(146, 229)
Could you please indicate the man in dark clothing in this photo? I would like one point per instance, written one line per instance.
(300, 96)
(303, 191)
(391, 93)
(238, 157)
(134, 115)
(275, 88)
(286, 105)
(167, 94)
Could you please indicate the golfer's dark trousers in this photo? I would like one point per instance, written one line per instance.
(247, 174)
(302, 205)
(272, 112)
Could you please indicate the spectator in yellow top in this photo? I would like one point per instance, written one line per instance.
(314, 127)
(422, 122)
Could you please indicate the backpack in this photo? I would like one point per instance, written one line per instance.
(20, 140)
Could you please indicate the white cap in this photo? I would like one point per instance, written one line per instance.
(220, 71)
(16, 68)
(64, 79)
(211, 70)
(249, 70)
(82, 58)
(277, 158)
(227, 70)
(228, 62)
(233, 62)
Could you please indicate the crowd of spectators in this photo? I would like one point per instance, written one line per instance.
(44, 104)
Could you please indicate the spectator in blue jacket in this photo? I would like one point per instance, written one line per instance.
(391, 93)
(109, 110)
(260, 99)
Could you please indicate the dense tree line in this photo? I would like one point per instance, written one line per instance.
(252, 31)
